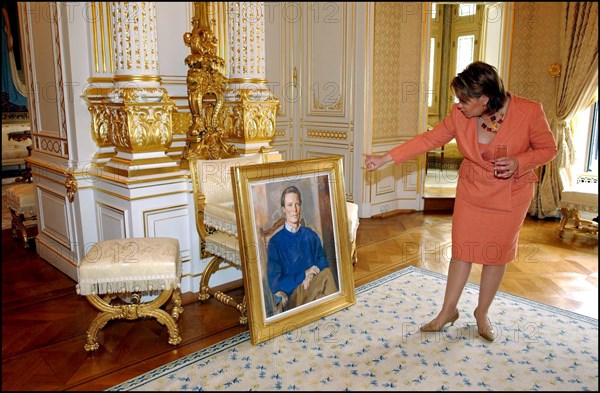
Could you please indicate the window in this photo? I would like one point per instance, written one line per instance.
(585, 140)
(467, 9)
(465, 52)
(431, 89)
(592, 161)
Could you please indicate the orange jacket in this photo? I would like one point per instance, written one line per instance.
(525, 131)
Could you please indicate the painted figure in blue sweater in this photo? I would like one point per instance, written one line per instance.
(298, 270)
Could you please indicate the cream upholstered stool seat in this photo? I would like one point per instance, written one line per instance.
(21, 203)
(125, 269)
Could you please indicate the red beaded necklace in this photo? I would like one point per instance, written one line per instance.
(495, 123)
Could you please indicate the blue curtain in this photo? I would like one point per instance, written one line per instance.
(8, 87)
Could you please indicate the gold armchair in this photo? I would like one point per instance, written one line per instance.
(216, 220)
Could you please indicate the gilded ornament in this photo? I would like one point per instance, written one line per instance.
(71, 186)
(205, 87)
(554, 70)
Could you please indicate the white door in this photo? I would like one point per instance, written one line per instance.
(316, 70)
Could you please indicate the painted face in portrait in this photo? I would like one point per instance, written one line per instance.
(292, 208)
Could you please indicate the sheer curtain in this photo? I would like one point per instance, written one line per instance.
(577, 88)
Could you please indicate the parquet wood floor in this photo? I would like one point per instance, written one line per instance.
(44, 321)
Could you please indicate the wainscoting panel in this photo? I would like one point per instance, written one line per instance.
(56, 241)
(112, 222)
(328, 61)
(394, 187)
(53, 217)
(170, 222)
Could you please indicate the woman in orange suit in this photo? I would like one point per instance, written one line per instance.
(492, 196)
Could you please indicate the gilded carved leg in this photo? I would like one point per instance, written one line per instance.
(243, 311)
(579, 224)
(176, 302)
(21, 227)
(563, 221)
(131, 311)
(14, 225)
(576, 218)
(206, 291)
(98, 323)
(210, 269)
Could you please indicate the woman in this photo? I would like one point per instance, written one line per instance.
(492, 196)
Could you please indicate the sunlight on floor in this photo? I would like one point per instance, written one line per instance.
(440, 183)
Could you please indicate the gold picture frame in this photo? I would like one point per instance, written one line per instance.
(259, 198)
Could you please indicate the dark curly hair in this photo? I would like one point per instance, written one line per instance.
(480, 79)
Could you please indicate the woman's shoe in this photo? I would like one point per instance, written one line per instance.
(432, 327)
(486, 333)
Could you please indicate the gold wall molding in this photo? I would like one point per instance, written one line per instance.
(137, 78)
(247, 80)
(337, 106)
(327, 134)
(101, 27)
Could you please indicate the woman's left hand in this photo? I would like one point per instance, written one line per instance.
(505, 167)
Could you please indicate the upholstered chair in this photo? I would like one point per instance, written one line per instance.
(216, 219)
(577, 197)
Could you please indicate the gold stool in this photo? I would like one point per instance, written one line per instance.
(581, 197)
(124, 271)
(21, 203)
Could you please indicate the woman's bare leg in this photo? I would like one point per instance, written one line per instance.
(458, 274)
(491, 277)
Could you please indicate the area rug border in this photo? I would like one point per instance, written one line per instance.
(245, 336)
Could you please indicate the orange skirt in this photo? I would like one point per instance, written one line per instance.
(487, 237)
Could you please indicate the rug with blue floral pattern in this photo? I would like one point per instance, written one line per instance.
(376, 344)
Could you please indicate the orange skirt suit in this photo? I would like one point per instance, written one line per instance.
(489, 212)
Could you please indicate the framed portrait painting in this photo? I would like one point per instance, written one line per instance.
(294, 243)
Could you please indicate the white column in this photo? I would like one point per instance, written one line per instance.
(135, 44)
(246, 32)
(250, 108)
(137, 116)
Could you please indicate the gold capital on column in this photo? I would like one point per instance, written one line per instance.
(132, 121)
